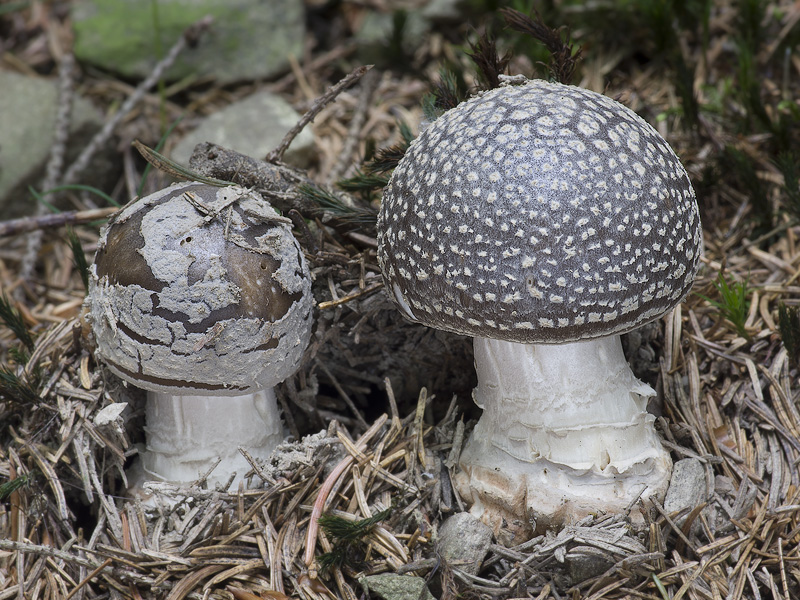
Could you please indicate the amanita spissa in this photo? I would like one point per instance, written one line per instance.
(202, 296)
(544, 220)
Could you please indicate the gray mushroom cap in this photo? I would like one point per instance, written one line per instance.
(538, 213)
(200, 290)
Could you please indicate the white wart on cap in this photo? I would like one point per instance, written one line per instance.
(539, 213)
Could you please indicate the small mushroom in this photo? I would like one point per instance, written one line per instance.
(545, 220)
(202, 296)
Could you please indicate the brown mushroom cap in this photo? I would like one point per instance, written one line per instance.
(200, 290)
(539, 213)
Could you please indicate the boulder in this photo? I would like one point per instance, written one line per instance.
(28, 107)
(249, 39)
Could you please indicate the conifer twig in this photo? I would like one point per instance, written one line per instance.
(71, 217)
(277, 154)
(368, 87)
(55, 162)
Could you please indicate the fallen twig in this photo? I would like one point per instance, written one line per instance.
(368, 87)
(320, 103)
(55, 163)
(35, 223)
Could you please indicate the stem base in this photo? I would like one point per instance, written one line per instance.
(565, 433)
(549, 496)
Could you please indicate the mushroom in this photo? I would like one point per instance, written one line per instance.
(545, 220)
(202, 296)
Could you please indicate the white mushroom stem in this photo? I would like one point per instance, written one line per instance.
(565, 431)
(187, 434)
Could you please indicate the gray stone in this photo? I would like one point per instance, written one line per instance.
(377, 26)
(687, 487)
(442, 10)
(585, 562)
(249, 39)
(396, 587)
(28, 107)
(463, 542)
(253, 126)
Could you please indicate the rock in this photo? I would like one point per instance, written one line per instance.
(377, 27)
(585, 562)
(463, 542)
(687, 487)
(28, 107)
(253, 126)
(396, 587)
(249, 39)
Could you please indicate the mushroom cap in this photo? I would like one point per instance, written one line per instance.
(538, 213)
(200, 290)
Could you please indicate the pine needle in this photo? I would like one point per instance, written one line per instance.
(789, 326)
(345, 213)
(12, 319)
(16, 388)
(347, 536)
(170, 167)
(78, 257)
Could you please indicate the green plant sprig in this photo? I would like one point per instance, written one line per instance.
(12, 319)
(345, 213)
(347, 536)
(363, 183)
(733, 302)
(17, 388)
(447, 92)
(788, 165)
(12, 485)
(386, 159)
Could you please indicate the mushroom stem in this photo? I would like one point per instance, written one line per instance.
(565, 432)
(187, 434)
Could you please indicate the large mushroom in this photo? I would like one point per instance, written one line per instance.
(202, 296)
(545, 220)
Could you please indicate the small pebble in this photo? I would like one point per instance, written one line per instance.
(396, 587)
(463, 542)
(687, 487)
